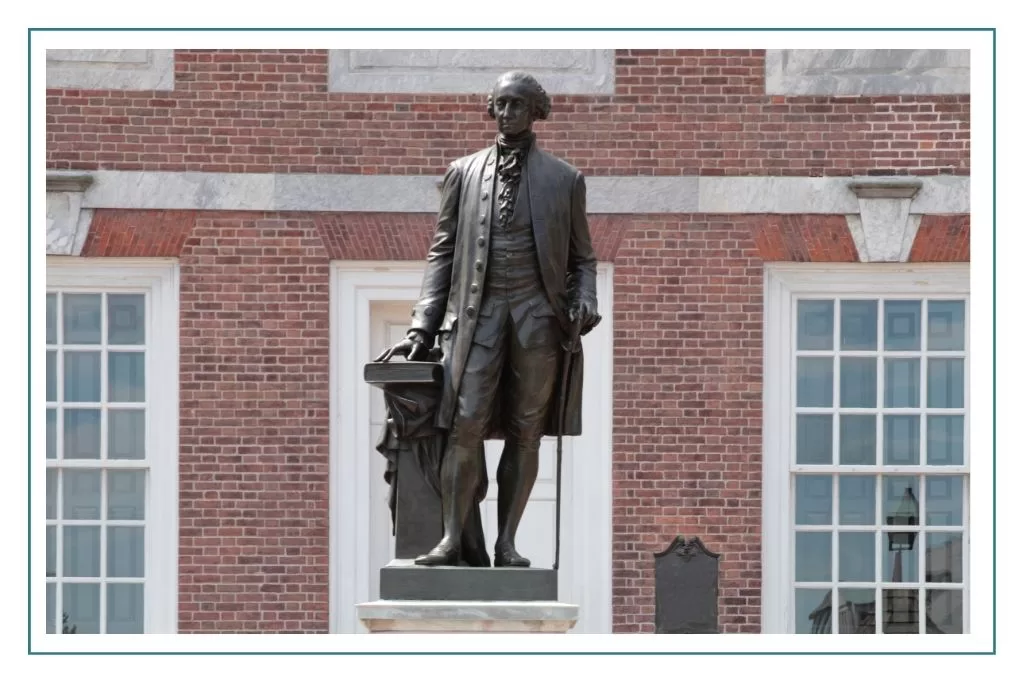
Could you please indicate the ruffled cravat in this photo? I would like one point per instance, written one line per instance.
(511, 155)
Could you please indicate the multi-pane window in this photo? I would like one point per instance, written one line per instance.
(878, 465)
(97, 461)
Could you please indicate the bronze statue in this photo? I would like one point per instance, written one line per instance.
(510, 285)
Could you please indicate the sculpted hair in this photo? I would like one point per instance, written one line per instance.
(541, 101)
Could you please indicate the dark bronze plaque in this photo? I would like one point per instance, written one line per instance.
(686, 588)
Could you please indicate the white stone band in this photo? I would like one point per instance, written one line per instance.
(419, 194)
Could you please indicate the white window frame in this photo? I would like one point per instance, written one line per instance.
(158, 277)
(783, 283)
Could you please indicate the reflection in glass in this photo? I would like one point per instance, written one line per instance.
(857, 440)
(901, 443)
(813, 610)
(124, 608)
(902, 325)
(813, 556)
(899, 499)
(124, 551)
(127, 375)
(900, 611)
(945, 325)
(814, 325)
(51, 550)
(126, 434)
(82, 318)
(858, 327)
(81, 376)
(856, 610)
(858, 381)
(81, 433)
(814, 382)
(51, 375)
(944, 500)
(81, 494)
(945, 382)
(51, 494)
(82, 607)
(902, 382)
(945, 611)
(51, 433)
(126, 319)
(126, 494)
(51, 318)
(814, 499)
(857, 556)
(51, 608)
(857, 499)
(943, 557)
(81, 551)
(945, 439)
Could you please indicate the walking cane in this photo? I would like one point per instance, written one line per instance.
(569, 349)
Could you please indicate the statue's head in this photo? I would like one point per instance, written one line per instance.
(516, 101)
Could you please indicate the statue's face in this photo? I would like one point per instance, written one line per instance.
(513, 107)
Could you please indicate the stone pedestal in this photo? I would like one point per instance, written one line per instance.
(467, 616)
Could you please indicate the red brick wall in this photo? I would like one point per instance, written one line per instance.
(674, 112)
(254, 425)
(942, 238)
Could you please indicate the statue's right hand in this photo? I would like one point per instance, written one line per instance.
(414, 347)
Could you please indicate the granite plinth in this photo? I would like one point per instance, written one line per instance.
(467, 616)
(404, 580)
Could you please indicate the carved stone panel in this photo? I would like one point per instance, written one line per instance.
(686, 588)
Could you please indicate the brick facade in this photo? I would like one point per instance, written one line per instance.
(688, 292)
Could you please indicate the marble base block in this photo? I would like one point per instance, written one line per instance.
(457, 616)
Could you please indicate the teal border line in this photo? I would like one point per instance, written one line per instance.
(992, 31)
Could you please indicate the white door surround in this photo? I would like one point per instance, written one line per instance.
(586, 550)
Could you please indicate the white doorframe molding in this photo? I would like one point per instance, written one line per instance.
(355, 285)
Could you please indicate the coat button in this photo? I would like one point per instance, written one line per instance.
(483, 220)
(470, 311)
(487, 177)
(474, 288)
(480, 241)
(485, 195)
(429, 310)
(479, 265)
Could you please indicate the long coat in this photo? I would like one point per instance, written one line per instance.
(457, 264)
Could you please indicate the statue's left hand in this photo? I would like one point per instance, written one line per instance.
(585, 312)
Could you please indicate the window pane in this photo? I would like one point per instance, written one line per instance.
(813, 610)
(945, 440)
(945, 325)
(902, 440)
(126, 494)
(126, 435)
(858, 329)
(944, 557)
(81, 551)
(899, 562)
(51, 318)
(944, 501)
(900, 611)
(82, 607)
(945, 611)
(813, 556)
(126, 320)
(945, 383)
(127, 374)
(81, 494)
(51, 551)
(900, 498)
(814, 439)
(814, 382)
(856, 613)
(124, 608)
(814, 325)
(857, 556)
(82, 434)
(902, 382)
(82, 376)
(51, 375)
(858, 382)
(51, 608)
(857, 499)
(857, 440)
(51, 433)
(124, 551)
(814, 499)
(82, 318)
(51, 494)
(902, 325)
